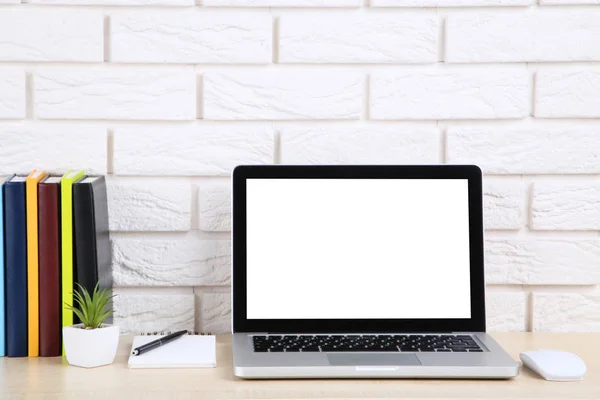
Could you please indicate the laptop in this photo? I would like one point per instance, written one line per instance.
(360, 272)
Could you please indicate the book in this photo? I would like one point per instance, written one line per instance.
(92, 240)
(66, 216)
(15, 240)
(2, 294)
(33, 281)
(189, 351)
(49, 266)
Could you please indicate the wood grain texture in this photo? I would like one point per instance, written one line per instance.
(51, 378)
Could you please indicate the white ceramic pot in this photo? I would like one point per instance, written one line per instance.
(90, 348)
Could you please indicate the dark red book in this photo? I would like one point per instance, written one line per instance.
(49, 264)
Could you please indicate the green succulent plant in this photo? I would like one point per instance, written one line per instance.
(92, 310)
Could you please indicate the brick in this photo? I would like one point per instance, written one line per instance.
(282, 95)
(172, 3)
(55, 148)
(450, 93)
(526, 149)
(449, 3)
(567, 2)
(360, 145)
(503, 204)
(567, 94)
(143, 205)
(191, 37)
(543, 262)
(179, 262)
(505, 311)
(546, 35)
(126, 94)
(358, 38)
(137, 314)
(282, 3)
(59, 35)
(566, 312)
(12, 93)
(214, 207)
(215, 314)
(203, 149)
(566, 206)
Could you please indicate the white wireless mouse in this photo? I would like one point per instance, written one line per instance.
(555, 365)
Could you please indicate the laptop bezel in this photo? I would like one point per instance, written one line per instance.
(470, 172)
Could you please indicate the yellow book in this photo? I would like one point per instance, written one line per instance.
(66, 208)
(33, 282)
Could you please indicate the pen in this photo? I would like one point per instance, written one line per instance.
(157, 343)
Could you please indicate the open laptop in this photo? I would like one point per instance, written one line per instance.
(360, 271)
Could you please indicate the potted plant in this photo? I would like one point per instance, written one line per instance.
(92, 343)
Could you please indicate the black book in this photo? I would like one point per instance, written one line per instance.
(91, 236)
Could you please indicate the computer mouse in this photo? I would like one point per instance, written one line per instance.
(555, 365)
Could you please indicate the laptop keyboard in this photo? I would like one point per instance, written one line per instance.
(366, 343)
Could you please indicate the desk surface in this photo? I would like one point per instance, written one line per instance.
(53, 378)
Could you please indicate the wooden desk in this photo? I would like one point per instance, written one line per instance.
(53, 378)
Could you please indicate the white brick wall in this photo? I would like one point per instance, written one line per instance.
(547, 35)
(503, 205)
(566, 312)
(282, 3)
(215, 314)
(568, 2)
(566, 206)
(57, 148)
(282, 95)
(142, 206)
(214, 207)
(329, 144)
(57, 36)
(177, 262)
(526, 149)
(343, 38)
(505, 311)
(567, 94)
(449, 3)
(167, 96)
(81, 93)
(171, 3)
(543, 261)
(450, 93)
(191, 37)
(203, 149)
(152, 313)
(12, 93)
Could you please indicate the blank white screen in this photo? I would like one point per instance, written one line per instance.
(357, 248)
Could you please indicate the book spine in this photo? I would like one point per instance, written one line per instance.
(66, 199)
(2, 272)
(16, 269)
(85, 236)
(103, 247)
(33, 281)
(49, 262)
(92, 242)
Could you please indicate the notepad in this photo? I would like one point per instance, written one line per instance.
(188, 351)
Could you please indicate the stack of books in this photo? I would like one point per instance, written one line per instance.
(53, 234)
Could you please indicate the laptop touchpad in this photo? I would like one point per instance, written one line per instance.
(372, 359)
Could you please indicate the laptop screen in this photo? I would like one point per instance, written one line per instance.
(357, 249)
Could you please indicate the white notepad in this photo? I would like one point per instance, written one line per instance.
(189, 351)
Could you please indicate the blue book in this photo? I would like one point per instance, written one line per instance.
(2, 303)
(15, 239)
